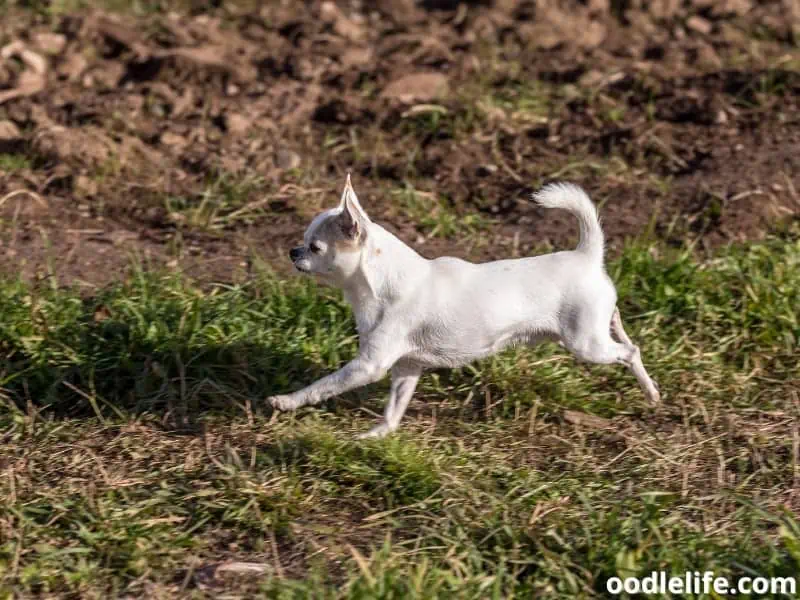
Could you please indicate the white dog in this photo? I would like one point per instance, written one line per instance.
(414, 314)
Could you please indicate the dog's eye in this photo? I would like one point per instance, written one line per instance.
(315, 248)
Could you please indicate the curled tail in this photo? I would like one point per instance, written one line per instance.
(572, 198)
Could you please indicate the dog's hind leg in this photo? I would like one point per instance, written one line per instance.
(649, 386)
(404, 381)
(618, 330)
(599, 347)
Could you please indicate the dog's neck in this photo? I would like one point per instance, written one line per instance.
(388, 269)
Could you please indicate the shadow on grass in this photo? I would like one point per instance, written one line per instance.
(161, 347)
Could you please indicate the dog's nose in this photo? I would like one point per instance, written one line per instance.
(296, 253)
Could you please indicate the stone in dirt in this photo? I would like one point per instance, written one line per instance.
(706, 57)
(173, 139)
(287, 159)
(356, 57)
(236, 123)
(343, 26)
(73, 68)
(87, 146)
(9, 133)
(664, 9)
(417, 87)
(722, 8)
(33, 79)
(50, 43)
(699, 24)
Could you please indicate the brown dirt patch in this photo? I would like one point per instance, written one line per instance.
(200, 139)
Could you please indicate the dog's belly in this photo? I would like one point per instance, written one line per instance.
(434, 360)
(448, 355)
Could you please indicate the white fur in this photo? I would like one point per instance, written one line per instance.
(414, 314)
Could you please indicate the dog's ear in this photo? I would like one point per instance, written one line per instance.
(353, 218)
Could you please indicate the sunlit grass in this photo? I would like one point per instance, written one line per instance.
(139, 453)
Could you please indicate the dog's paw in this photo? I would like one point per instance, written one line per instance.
(283, 403)
(377, 432)
(655, 395)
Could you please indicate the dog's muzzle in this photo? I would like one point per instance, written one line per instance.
(297, 255)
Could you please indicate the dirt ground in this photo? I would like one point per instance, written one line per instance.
(200, 139)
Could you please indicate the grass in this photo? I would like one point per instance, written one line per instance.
(136, 7)
(10, 163)
(137, 458)
(225, 200)
(137, 455)
(532, 101)
(435, 217)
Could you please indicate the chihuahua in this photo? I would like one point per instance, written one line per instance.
(414, 314)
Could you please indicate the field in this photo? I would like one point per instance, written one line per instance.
(158, 159)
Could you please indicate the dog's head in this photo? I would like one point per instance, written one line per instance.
(333, 243)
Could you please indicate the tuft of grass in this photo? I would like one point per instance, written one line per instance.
(532, 101)
(139, 460)
(435, 217)
(11, 163)
(226, 200)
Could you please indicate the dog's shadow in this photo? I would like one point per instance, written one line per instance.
(107, 369)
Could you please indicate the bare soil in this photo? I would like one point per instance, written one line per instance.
(202, 139)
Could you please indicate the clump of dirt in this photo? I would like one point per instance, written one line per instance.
(197, 138)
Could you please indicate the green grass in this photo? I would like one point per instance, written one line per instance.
(435, 217)
(531, 101)
(136, 7)
(10, 163)
(137, 454)
(224, 201)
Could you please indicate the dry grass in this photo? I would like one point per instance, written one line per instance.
(137, 458)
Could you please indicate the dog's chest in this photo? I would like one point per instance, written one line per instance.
(367, 316)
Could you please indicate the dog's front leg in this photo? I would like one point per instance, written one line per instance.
(404, 381)
(357, 373)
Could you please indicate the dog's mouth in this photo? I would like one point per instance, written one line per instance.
(298, 264)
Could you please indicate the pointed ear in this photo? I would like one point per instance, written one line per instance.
(350, 223)
(353, 218)
(348, 188)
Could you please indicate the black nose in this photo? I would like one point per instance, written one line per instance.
(296, 253)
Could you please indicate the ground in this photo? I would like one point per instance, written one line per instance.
(158, 160)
